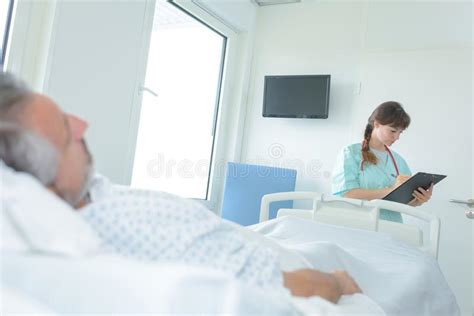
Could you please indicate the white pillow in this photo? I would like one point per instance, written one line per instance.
(15, 302)
(36, 219)
(10, 239)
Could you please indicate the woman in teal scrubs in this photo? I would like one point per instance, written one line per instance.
(370, 170)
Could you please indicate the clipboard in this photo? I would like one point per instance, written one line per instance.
(403, 194)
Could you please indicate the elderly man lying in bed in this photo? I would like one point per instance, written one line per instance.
(38, 138)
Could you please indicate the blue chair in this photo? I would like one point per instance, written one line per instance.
(245, 185)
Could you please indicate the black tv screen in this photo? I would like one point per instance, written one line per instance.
(296, 96)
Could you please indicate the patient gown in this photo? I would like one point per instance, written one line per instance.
(163, 227)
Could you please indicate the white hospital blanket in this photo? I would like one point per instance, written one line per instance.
(57, 274)
(37, 283)
(400, 278)
(114, 285)
(164, 228)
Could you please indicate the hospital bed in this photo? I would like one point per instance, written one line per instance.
(392, 263)
(72, 274)
(359, 214)
(54, 263)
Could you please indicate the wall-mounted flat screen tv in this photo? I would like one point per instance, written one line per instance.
(296, 96)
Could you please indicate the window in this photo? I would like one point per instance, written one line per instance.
(180, 104)
(6, 8)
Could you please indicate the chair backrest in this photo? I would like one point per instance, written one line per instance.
(246, 184)
(359, 214)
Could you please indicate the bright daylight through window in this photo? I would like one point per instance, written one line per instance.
(180, 103)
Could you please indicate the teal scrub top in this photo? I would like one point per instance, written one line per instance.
(347, 174)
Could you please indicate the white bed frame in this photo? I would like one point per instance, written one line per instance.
(359, 214)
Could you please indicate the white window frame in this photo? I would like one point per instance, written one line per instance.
(6, 34)
(230, 117)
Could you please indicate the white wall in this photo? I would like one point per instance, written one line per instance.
(88, 57)
(304, 39)
(30, 40)
(419, 53)
(95, 66)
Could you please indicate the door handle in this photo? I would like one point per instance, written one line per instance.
(469, 203)
(145, 89)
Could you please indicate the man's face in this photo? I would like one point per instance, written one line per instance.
(66, 133)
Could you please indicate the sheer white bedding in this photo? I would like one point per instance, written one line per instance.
(106, 284)
(51, 261)
(397, 276)
(33, 283)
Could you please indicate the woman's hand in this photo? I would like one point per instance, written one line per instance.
(399, 181)
(421, 196)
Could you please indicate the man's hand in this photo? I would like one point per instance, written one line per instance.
(330, 286)
(346, 282)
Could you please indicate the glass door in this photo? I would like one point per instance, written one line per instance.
(180, 104)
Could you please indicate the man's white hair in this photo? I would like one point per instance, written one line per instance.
(28, 152)
(21, 149)
(13, 94)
